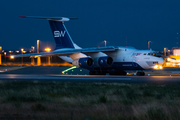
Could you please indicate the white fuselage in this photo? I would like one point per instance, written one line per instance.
(126, 56)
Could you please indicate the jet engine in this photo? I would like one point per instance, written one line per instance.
(83, 62)
(103, 61)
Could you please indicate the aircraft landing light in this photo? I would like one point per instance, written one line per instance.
(158, 67)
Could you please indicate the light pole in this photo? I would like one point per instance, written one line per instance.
(165, 58)
(48, 50)
(22, 57)
(164, 51)
(33, 48)
(38, 58)
(0, 55)
(4, 56)
(32, 59)
(149, 45)
(105, 42)
(37, 46)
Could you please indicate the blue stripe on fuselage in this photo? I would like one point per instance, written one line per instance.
(127, 65)
(119, 65)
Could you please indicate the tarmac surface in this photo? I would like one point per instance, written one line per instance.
(46, 74)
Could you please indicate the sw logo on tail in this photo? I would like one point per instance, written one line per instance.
(59, 34)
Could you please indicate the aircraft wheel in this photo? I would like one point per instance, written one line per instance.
(143, 73)
(123, 73)
(140, 74)
(91, 73)
(97, 73)
(118, 73)
(102, 73)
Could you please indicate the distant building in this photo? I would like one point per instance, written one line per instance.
(175, 62)
(176, 52)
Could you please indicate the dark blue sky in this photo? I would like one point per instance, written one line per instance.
(99, 20)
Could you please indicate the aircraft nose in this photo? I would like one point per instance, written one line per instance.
(160, 61)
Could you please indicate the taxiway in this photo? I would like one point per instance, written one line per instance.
(46, 74)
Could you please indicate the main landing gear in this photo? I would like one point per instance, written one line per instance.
(97, 73)
(104, 73)
(140, 73)
(118, 73)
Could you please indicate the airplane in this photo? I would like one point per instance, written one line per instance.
(112, 60)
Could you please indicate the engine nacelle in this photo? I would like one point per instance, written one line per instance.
(103, 61)
(83, 62)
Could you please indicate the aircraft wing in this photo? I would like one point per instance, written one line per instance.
(69, 52)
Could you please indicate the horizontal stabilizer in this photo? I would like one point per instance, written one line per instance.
(50, 18)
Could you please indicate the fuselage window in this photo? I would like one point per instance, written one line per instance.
(144, 53)
(155, 62)
(149, 54)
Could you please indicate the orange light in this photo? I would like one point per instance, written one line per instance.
(168, 59)
(12, 57)
(160, 67)
(37, 46)
(4, 53)
(47, 49)
(156, 67)
(22, 49)
(17, 51)
(32, 48)
(105, 42)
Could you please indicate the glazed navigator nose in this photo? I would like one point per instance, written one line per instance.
(160, 61)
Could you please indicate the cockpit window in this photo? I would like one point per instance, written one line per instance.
(154, 54)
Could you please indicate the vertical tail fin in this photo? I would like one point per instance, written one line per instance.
(60, 33)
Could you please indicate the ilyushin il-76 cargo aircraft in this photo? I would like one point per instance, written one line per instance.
(114, 60)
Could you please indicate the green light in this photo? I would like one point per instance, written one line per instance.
(69, 69)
